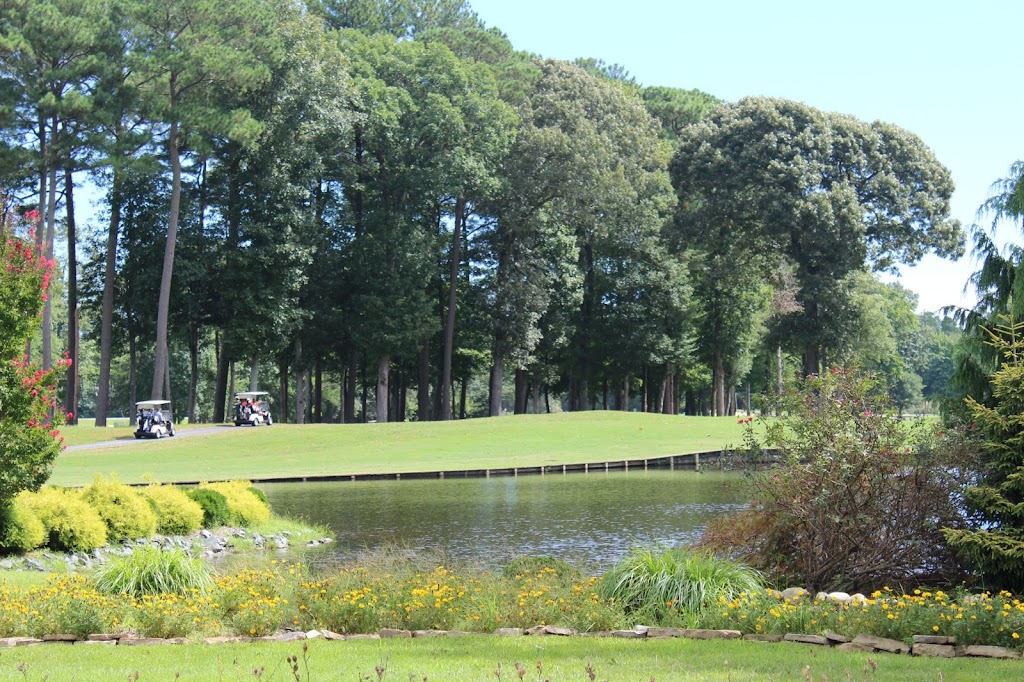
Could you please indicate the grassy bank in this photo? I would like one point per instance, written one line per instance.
(330, 449)
(478, 657)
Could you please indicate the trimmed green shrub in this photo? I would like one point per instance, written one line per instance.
(215, 506)
(20, 529)
(71, 524)
(150, 570)
(126, 513)
(260, 495)
(177, 513)
(246, 508)
(660, 581)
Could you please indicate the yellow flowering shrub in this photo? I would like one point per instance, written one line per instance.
(177, 513)
(71, 524)
(20, 528)
(127, 514)
(246, 508)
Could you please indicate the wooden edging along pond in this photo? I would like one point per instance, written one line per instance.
(693, 461)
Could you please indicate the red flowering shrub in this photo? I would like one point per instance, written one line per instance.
(29, 418)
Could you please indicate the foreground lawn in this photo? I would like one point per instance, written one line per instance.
(330, 449)
(478, 657)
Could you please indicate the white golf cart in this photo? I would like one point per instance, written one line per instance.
(252, 408)
(154, 419)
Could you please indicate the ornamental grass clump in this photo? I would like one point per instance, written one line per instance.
(177, 513)
(668, 583)
(127, 514)
(150, 570)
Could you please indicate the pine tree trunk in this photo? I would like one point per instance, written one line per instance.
(51, 231)
(71, 392)
(521, 394)
(160, 369)
(625, 393)
(318, 393)
(300, 384)
(383, 394)
(462, 400)
(221, 388)
(254, 373)
(449, 323)
(107, 312)
(282, 391)
(778, 377)
(350, 386)
(133, 379)
(497, 377)
(193, 383)
(423, 389)
(719, 384)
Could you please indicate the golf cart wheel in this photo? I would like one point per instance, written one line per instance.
(171, 433)
(138, 436)
(270, 422)
(158, 435)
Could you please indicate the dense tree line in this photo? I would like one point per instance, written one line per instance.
(370, 202)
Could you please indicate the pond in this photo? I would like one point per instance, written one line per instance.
(591, 519)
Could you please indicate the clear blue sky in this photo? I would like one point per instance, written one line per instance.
(951, 72)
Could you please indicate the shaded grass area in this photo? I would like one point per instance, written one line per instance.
(330, 449)
(477, 658)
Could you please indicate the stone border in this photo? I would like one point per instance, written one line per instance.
(923, 645)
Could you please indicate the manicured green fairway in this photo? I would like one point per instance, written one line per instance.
(477, 657)
(329, 449)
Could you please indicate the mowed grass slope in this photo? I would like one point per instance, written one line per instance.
(285, 450)
(456, 659)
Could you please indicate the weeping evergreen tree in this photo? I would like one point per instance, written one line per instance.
(996, 544)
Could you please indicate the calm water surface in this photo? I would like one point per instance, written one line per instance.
(588, 518)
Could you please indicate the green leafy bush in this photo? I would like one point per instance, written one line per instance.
(20, 529)
(661, 581)
(177, 513)
(71, 524)
(214, 505)
(260, 495)
(126, 513)
(149, 571)
(246, 507)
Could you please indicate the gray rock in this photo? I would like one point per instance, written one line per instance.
(762, 638)
(987, 651)
(694, 633)
(34, 565)
(394, 633)
(205, 534)
(7, 564)
(628, 634)
(840, 597)
(806, 639)
(331, 636)
(933, 639)
(664, 633)
(282, 543)
(792, 593)
(429, 633)
(835, 638)
(893, 646)
(933, 650)
(509, 632)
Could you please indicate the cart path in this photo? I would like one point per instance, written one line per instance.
(180, 433)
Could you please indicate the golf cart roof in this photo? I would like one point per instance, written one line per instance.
(152, 403)
(250, 394)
